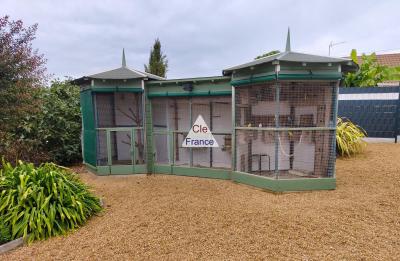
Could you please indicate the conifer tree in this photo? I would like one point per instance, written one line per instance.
(158, 63)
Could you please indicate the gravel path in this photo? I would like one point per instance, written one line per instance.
(171, 217)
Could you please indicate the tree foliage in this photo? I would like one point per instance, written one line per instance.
(22, 69)
(369, 74)
(267, 54)
(56, 128)
(37, 123)
(158, 63)
(393, 74)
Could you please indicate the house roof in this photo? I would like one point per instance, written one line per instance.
(289, 56)
(391, 59)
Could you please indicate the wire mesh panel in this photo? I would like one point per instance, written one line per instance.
(161, 141)
(139, 147)
(128, 109)
(216, 112)
(307, 104)
(181, 155)
(176, 115)
(105, 116)
(203, 107)
(121, 148)
(306, 154)
(255, 151)
(301, 104)
(286, 154)
(275, 145)
(124, 146)
(120, 109)
(171, 116)
(102, 159)
(160, 114)
(220, 157)
(255, 105)
(161, 148)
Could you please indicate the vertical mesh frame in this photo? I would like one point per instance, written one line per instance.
(301, 104)
(119, 111)
(300, 153)
(172, 120)
(286, 129)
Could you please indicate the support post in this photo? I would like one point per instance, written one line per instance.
(233, 137)
(292, 119)
(108, 139)
(277, 124)
(191, 123)
(335, 106)
(174, 143)
(147, 125)
(397, 118)
(133, 148)
(211, 129)
(170, 136)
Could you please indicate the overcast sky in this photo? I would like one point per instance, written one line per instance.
(200, 38)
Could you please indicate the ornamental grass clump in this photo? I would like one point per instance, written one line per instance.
(37, 203)
(349, 138)
(5, 232)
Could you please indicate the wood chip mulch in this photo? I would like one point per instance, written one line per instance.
(175, 218)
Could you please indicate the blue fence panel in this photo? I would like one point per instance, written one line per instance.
(375, 109)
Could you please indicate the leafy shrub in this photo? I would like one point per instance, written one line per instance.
(14, 149)
(349, 138)
(41, 202)
(370, 72)
(54, 131)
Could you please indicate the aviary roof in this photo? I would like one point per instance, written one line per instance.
(124, 73)
(289, 56)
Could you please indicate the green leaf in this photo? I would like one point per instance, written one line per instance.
(28, 204)
(353, 55)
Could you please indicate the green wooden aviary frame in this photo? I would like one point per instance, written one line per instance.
(286, 66)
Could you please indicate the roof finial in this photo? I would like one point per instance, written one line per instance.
(288, 40)
(123, 58)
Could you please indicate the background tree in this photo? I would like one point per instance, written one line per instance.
(53, 134)
(369, 74)
(21, 70)
(267, 54)
(158, 63)
(37, 123)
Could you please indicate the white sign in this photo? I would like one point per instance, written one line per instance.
(199, 136)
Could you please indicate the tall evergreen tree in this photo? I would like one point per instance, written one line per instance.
(158, 63)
